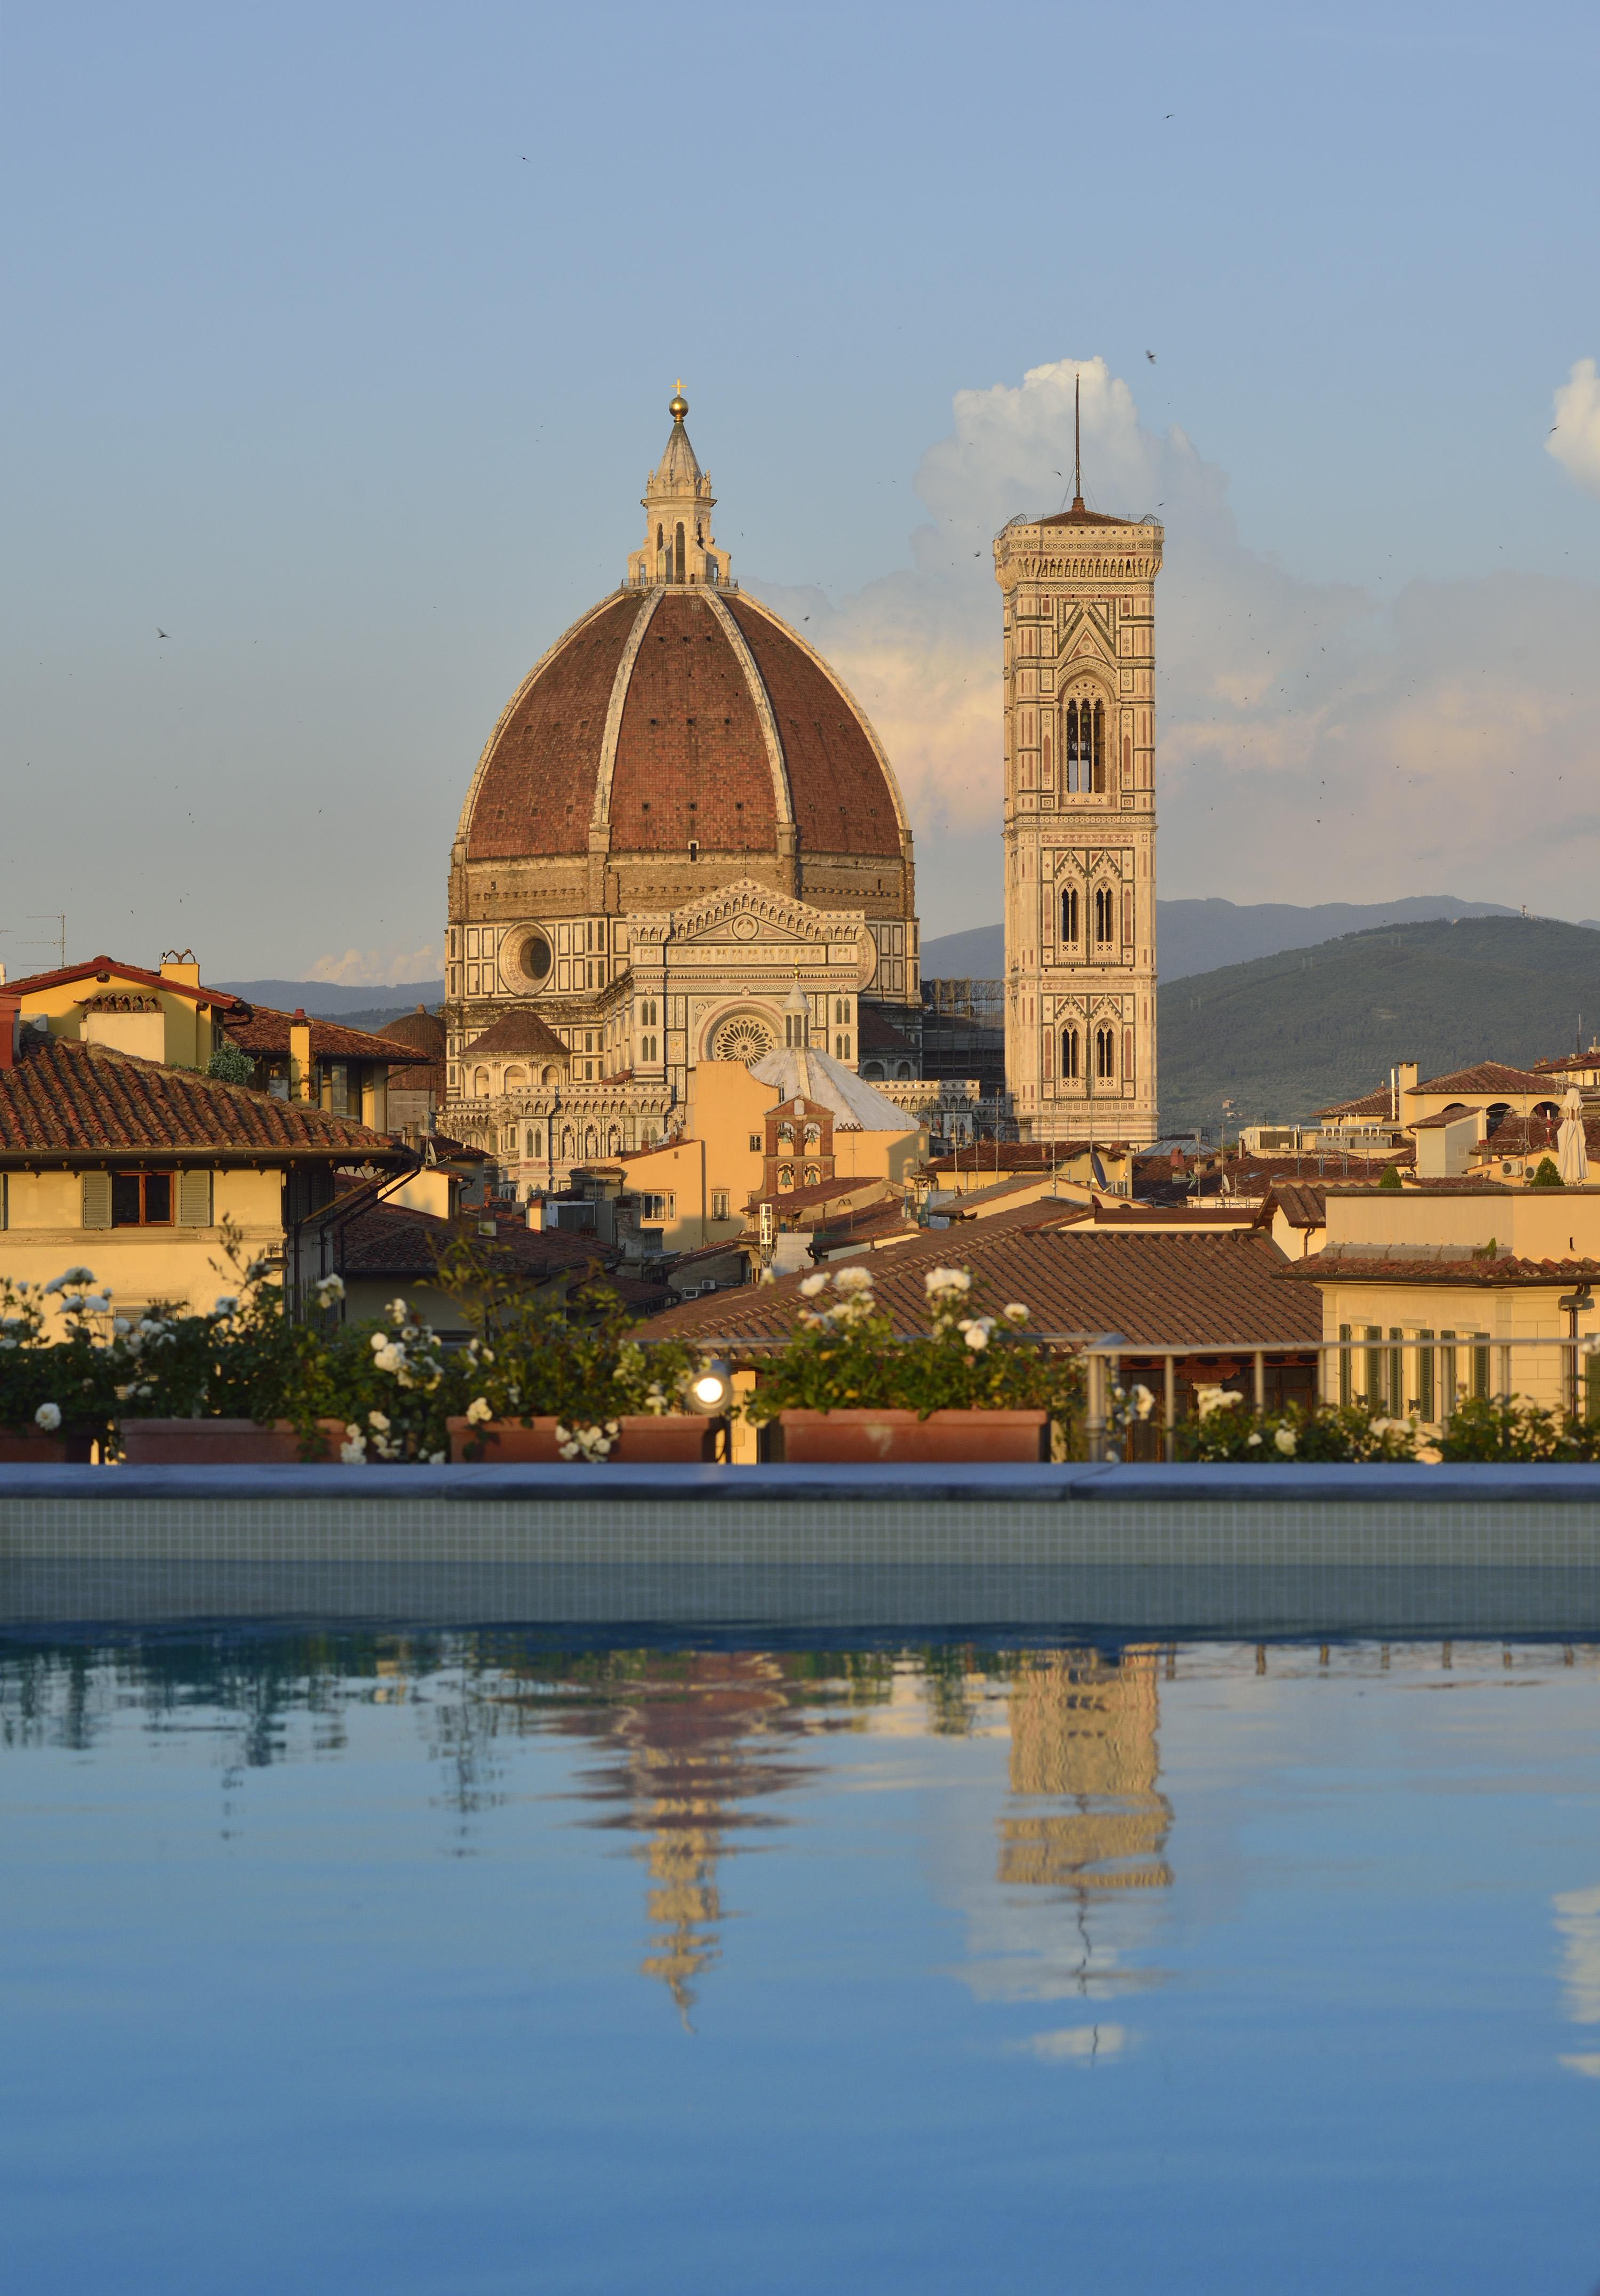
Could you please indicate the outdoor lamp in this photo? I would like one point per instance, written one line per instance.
(712, 1388)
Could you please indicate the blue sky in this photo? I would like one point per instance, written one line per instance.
(339, 347)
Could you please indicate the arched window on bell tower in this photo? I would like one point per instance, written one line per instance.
(1084, 761)
(1069, 916)
(678, 574)
(1068, 1055)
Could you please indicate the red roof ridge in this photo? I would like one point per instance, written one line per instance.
(64, 973)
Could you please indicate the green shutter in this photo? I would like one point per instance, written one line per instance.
(195, 1200)
(96, 1200)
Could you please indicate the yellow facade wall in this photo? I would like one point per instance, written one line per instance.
(191, 1035)
(180, 1266)
(1480, 1318)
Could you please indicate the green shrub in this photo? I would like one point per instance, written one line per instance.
(1500, 1428)
(1546, 1176)
(843, 1353)
(1390, 1178)
(1334, 1434)
(229, 1065)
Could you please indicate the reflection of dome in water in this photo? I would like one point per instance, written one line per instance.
(745, 1037)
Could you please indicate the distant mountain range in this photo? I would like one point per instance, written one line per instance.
(333, 1000)
(1198, 936)
(1283, 1036)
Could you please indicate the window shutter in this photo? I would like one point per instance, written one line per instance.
(96, 1200)
(195, 1200)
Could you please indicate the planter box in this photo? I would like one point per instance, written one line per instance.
(676, 1438)
(24, 1446)
(222, 1443)
(900, 1439)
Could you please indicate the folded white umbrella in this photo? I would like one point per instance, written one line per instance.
(1574, 1165)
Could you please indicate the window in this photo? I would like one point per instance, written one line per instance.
(1106, 1054)
(1105, 916)
(1085, 745)
(140, 1200)
(1069, 914)
(536, 1139)
(719, 1203)
(1068, 1055)
(755, 1143)
(480, 1084)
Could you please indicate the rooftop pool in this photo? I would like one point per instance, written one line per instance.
(491, 1960)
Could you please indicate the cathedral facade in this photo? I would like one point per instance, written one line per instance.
(1078, 592)
(681, 816)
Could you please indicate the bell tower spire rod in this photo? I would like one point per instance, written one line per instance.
(1077, 444)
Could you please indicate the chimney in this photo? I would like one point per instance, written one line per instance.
(11, 1025)
(300, 1054)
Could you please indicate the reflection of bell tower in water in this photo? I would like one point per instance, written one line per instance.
(1083, 1733)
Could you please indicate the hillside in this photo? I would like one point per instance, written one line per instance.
(1198, 936)
(1284, 1035)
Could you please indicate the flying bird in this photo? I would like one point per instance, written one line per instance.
(1151, 356)
(1172, 115)
(160, 633)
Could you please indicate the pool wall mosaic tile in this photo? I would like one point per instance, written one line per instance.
(1175, 1549)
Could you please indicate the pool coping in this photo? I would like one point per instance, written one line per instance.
(783, 1485)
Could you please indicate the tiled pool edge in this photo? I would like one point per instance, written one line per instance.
(1481, 1549)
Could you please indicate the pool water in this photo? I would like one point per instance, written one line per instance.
(471, 1963)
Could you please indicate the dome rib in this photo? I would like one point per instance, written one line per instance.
(623, 680)
(533, 790)
(833, 768)
(783, 795)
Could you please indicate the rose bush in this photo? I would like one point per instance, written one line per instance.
(843, 1353)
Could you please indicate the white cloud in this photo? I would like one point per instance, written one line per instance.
(1075, 2043)
(1315, 740)
(1578, 1924)
(375, 968)
(1575, 439)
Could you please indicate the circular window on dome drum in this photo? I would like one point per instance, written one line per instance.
(745, 1037)
(534, 958)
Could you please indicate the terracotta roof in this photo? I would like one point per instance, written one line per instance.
(874, 1034)
(1533, 1135)
(266, 1034)
(1558, 1064)
(70, 1101)
(1018, 1155)
(448, 1150)
(65, 975)
(1120, 1213)
(1487, 1076)
(1079, 516)
(519, 1031)
(690, 761)
(1411, 1263)
(1302, 1203)
(864, 1223)
(1156, 1289)
(819, 1192)
(394, 1240)
(1380, 1102)
(423, 1030)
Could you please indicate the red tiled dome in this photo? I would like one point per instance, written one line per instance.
(680, 717)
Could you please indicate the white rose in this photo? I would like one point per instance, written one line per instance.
(1284, 1440)
(1254, 1440)
(812, 1285)
(48, 1416)
(854, 1279)
(225, 1305)
(478, 1411)
(376, 1419)
(1016, 1313)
